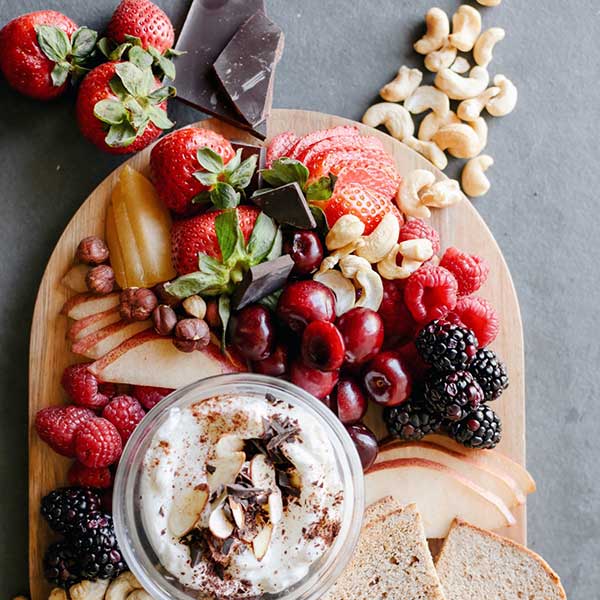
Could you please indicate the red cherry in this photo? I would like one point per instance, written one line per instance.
(387, 380)
(306, 251)
(412, 360)
(399, 323)
(315, 382)
(366, 444)
(362, 331)
(274, 365)
(303, 302)
(348, 402)
(322, 346)
(252, 332)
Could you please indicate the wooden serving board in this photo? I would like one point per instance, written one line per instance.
(459, 226)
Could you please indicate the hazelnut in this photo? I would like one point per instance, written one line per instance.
(137, 304)
(92, 251)
(191, 334)
(100, 279)
(164, 319)
(195, 306)
(163, 296)
(212, 315)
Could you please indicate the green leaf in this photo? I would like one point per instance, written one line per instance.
(110, 111)
(212, 279)
(320, 190)
(242, 176)
(105, 46)
(270, 300)
(285, 170)
(224, 309)
(116, 85)
(159, 117)
(131, 77)
(321, 219)
(210, 160)
(119, 51)
(161, 94)
(262, 238)
(166, 66)
(223, 195)
(206, 178)
(228, 233)
(60, 72)
(234, 163)
(133, 40)
(140, 58)
(202, 198)
(147, 83)
(54, 42)
(120, 135)
(173, 52)
(277, 248)
(83, 42)
(137, 115)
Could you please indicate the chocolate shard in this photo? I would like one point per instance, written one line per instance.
(208, 28)
(261, 280)
(246, 67)
(247, 151)
(287, 205)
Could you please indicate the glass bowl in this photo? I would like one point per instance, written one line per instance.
(128, 516)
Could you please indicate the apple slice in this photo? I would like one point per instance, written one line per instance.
(493, 458)
(151, 360)
(85, 305)
(100, 342)
(504, 487)
(441, 494)
(87, 325)
(187, 510)
(74, 278)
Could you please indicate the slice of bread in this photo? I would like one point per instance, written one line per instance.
(381, 508)
(476, 563)
(392, 560)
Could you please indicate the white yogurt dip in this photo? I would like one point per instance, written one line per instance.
(290, 487)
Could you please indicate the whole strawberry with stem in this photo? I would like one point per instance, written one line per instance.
(39, 50)
(121, 108)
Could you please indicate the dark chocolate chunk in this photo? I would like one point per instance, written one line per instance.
(261, 280)
(208, 28)
(247, 151)
(246, 67)
(287, 205)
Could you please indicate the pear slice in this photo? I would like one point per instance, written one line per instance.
(225, 470)
(261, 542)
(262, 474)
(187, 510)
(218, 523)
(74, 278)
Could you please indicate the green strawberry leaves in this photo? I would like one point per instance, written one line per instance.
(286, 170)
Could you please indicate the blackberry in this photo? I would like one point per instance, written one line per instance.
(61, 566)
(452, 395)
(480, 429)
(97, 550)
(490, 373)
(67, 508)
(411, 421)
(446, 346)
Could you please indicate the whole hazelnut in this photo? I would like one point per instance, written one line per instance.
(191, 334)
(195, 307)
(163, 296)
(100, 279)
(92, 250)
(137, 304)
(164, 319)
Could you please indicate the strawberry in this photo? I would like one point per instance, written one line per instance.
(81, 475)
(333, 160)
(97, 443)
(340, 142)
(125, 413)
(306, 141)
(121, 107)
(38, 50)
(380, 180)
(279, 146)
(57, 425)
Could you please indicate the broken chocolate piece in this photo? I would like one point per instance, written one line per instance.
(208, 28)
(261, 280)
(261, 153)
(287, 205)
(246, 67)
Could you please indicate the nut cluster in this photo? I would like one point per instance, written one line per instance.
(93, 251)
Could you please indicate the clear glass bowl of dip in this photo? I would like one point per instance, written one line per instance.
(128, 515)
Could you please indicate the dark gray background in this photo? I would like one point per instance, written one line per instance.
(541, 210)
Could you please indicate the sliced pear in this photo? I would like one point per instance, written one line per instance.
(262, 541)
(187, 510)
(74, 278)
(117, 260)
(225, 470)
(218, 523)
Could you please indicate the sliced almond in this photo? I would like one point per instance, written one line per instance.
(218, 523)
(238, 512)
(225, 469)
(260, 544)
(275, 505)
(263, 476)
(187, 510)
(228, 444)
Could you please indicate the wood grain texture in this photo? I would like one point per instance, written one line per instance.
(459, 226)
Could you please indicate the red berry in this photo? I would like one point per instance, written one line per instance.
(149, 396)
(98, 443)
(480, 316)
(399, 325)
(56, 425)
(274, 365)
(315, 382)
(362, 332)
(82, 387)
(322, 346)
(253, 332)
(366, 444)
(387, 379)
(430, 293)
(303, 302)
(417, 229)
(85, 476)
(348, 402)
(410, 357)
(125, 413)
(305, 249)
(469, 270)
(279, 146)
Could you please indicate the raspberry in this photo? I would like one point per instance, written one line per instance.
(399, 325)
(149, 396)
(416, 229)
(85, 476)
(470, 270)
(98, 443)
(430, 293)
(82, 387)
(124, 412)
(480, 316)
(56, 425)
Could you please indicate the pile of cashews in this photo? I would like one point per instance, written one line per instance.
(462, 132)
(124, 587)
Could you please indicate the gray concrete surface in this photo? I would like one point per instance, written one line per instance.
(541, 210)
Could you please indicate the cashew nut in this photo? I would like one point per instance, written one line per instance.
(427, 97)
(504, 102)
(489, 2)
(438, 28)
(466, 27)
(432, 123)
(389, 269)
(430, 151)
(459, 139)
(345, 230)
(440, 59)
(461, 65)
(442, 194)
(351, 265)
(371, 286)
(342, 288)
(395, 117)
(458, 87)
(481, 129)
(380, 241)
(140, 594)
(474, 181)
(402, 86)
(122, 586)
(470, 110)
(329, 262)
(420, 249)
(484, 46)
(407, 197)
(89, 590)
